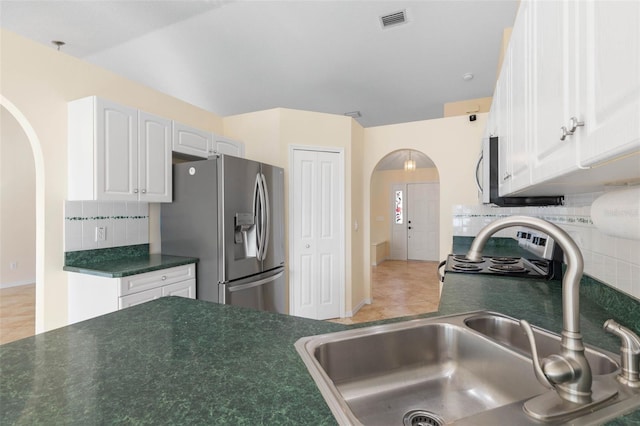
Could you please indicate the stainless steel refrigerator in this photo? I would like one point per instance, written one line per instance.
(229, 212)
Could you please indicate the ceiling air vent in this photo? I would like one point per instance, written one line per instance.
(394, 19)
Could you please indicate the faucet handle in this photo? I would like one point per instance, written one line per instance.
(537, 368)
(629, 353)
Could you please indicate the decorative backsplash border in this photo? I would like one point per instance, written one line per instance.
(608, 259)
(124, 223)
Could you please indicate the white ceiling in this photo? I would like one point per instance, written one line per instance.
(232, 57)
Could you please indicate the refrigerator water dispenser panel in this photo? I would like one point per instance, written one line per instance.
(244, 222)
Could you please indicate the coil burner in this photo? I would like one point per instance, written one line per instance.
(507, 269)
(466, 267)
(504, 260)
(464, 259)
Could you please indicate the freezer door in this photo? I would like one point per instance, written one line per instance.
(264, 292)
(273, 178)
(189, 224)
(238, 181)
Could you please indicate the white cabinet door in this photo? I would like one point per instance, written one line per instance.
(518, 113)
(552, 77)
(505, 126)
(609, 77)
(154, 148)
(137, 298)
(191, 141)
(223, 145)
(116, 132)
(183, 289)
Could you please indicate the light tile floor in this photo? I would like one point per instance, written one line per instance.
(17, 312)
(400, 288)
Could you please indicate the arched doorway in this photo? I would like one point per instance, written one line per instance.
(405, 208)
(11, 112)
(399, 288)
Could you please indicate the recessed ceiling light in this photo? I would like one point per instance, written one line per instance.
(468, 76)
(353, 114)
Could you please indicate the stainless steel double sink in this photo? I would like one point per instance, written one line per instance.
(472, 368)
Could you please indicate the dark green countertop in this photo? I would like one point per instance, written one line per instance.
(168, 361)
(184, 361)
(123, 267)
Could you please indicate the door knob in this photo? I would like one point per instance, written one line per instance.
(307, 245)
(409, 227)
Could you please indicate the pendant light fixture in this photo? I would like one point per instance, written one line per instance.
(409, 164)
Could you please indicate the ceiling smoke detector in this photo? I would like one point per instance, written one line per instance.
(393, 19)
(353, 114)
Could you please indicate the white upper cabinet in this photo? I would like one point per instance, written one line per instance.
(569, 98)
(198, 143)
(608, 80)
(107, 158)
(223, 145)
(154, 152)
(553, 83)
(192, 141)
(519, 100)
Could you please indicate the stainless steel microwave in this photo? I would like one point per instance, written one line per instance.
(487, 180)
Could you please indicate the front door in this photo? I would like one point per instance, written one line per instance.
(415, 221)
(317, 246)
(423, 221)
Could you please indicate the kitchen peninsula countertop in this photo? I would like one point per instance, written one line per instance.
(184, 361)
(118, 262)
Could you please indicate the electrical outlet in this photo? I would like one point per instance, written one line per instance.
(101, 233)
(13, 266)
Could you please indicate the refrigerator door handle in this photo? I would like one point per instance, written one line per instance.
(262, 231)
(240, 287)
(266, 213)
(257, 207)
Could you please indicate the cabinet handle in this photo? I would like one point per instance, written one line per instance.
(564, 132)
(507, 176)
(574, 123)
(164, 278)
(135, 191)
(144, 191)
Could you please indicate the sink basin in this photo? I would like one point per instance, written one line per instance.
(460, 369)
(507, 331)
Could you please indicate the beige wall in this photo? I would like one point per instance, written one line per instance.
(381, 183)
(39, 81)
(467, 107)
(17, 204)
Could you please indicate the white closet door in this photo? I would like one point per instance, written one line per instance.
(317, 269)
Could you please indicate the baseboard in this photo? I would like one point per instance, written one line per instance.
(358, 307)
(17, 283)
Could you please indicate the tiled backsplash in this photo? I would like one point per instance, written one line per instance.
(124, 223)
(613, 261)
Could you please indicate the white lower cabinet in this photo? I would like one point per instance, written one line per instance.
(91, 296)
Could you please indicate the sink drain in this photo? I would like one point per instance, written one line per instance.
(422, 418)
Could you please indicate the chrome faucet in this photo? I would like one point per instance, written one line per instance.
(568, 373)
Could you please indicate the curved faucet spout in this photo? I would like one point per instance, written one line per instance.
(575, 263)
(570, 373)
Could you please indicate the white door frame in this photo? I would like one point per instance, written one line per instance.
(341, 225)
